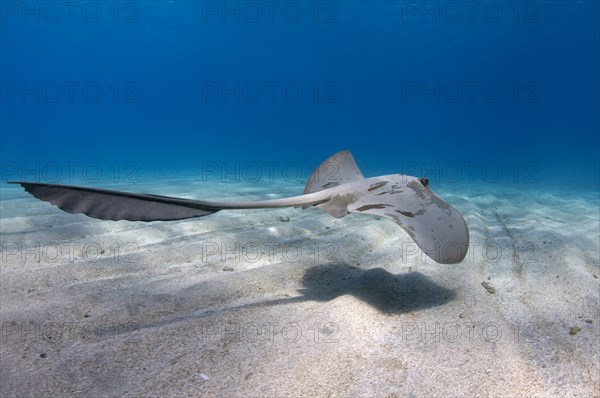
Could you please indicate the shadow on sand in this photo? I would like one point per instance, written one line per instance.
(387, 292)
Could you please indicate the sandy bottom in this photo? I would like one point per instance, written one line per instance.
(291, 302)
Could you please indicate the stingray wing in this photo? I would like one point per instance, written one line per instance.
(117, 205)
(437, 228)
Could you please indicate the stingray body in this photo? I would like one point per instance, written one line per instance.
(337, 187)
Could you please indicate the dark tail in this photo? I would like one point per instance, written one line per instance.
(116, 205)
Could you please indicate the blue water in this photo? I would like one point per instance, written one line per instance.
(503, 92)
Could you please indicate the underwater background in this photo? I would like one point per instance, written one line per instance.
(460, 92)
(495, 102)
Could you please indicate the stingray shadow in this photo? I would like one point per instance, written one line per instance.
(387, 292)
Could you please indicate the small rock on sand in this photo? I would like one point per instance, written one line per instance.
(488, 286)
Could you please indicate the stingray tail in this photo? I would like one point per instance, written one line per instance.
(106, 204)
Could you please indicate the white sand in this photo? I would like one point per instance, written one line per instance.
(247, 304)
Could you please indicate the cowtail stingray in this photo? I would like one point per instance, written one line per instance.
(337, 187)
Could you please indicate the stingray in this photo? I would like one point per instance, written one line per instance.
(337, 187)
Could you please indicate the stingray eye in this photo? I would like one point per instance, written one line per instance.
(424, 181)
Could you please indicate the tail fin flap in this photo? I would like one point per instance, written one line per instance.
(116, 205)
